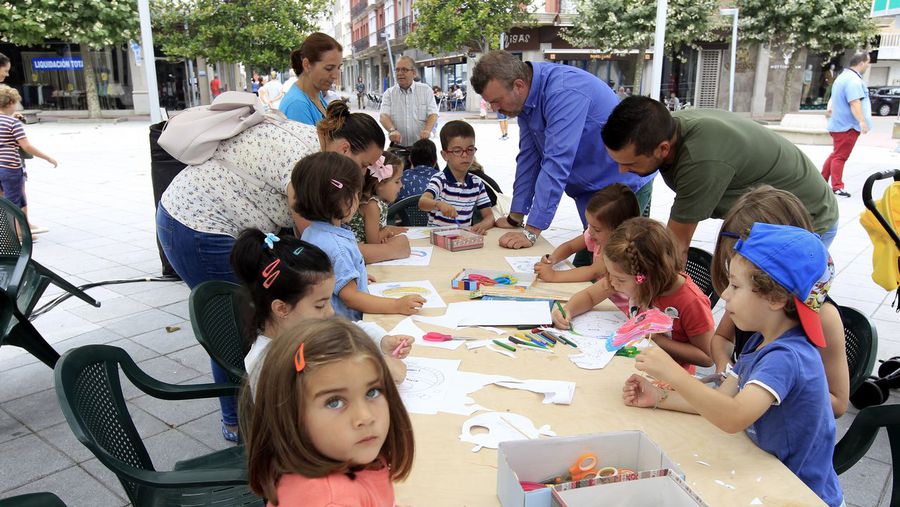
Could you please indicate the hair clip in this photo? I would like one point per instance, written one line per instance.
(270, 240)
(380, 171)
(337, 184)
(299, 360)
(298, 250)
(270, 273)
(640, 278)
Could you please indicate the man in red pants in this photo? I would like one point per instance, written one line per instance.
(850, 114)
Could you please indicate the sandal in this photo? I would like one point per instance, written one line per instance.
(231, 436)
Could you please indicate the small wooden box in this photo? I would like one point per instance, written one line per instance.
(456, 239)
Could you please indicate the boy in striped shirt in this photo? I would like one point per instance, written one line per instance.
(12, 136)
(453, 196)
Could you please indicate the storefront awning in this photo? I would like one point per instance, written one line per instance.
(592, 54)
(444, 60)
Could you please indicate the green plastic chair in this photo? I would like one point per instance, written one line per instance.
(859, 438)
(861, 344)
(33, 500)
(408, 212)
(218, 322)
(23, 280)
(90, 395)
(698, 266)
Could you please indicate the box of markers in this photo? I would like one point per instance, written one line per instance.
(456, 239)
(660, 488)
(537, 461)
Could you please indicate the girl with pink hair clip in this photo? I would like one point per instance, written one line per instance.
(381, 186)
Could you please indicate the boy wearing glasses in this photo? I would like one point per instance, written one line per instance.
(453, 196)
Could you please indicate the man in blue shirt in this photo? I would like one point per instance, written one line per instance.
(561, 110)
(850, 115)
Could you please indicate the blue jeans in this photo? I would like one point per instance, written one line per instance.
(199, 257)
(828, 237)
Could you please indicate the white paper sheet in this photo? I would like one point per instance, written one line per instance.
(594, 354)
(418, 233)
(502, 427)
(447, 320)
(396, 290)
(598, 323)
(558, 392)
(526, 264)
(418, 256)
(500, 313)
(408, 327)
(427, 383)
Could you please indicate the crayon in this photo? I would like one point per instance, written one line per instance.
(504, 345)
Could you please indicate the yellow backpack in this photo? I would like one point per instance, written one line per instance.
(886, 255)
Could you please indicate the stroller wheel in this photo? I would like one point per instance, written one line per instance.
(870, 393)
(888, 367)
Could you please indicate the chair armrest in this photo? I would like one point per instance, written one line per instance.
(166, 391)
(199, 478)
(861, 434)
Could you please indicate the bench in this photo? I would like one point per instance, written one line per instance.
(804, 129)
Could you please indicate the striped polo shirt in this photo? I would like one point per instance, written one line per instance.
(466, 196)
(11, 132)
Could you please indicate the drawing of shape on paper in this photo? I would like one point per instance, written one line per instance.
(525, 264)
(418, 233)
(397, 290)
(598, 323)
(502, 427)
(426, 385)
(418, 256)
(594, 353)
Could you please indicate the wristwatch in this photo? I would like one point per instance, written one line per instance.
(532, 237)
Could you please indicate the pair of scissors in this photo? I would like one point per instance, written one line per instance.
(441, 337)
(585, 467)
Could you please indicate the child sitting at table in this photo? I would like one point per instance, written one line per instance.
(643, 263)
(777, 391)
(423, 158)
(453, 195)
(381, 185)
(327, 426)
(327, 186)
(607, 209)
(287, 281)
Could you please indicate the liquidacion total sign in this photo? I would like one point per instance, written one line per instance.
(57, 63)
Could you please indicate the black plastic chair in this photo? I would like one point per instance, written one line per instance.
(33, 500)
(23, 280)
(407, 210)
(90, 395)
(861, 343)
(859, 438)
(698, 265)
(217, 319)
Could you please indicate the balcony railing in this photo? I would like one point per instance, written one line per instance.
(889, 49)
(358, 8)
(404, 26)
(361, 44)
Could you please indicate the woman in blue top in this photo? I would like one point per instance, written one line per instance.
(317, 63)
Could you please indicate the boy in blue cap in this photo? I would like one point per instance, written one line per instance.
(777, 391)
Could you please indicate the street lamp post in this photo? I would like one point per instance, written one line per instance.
(734, 41)
(387, 42)
(659, 43)
(149, 60)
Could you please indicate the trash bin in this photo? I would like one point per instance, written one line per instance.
(163, 169)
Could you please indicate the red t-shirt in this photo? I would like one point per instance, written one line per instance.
(214, 86)
(369, 488)
(691, 306)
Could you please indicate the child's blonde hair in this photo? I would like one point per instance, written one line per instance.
(644, 248)
(613, 205)
(277, 440)
(9, 95)
(764, 204)
(371, 182)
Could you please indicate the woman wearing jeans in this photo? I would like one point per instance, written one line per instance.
(246, 184)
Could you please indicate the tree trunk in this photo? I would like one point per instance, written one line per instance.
(639, 71)
(788, 81)
(90, 82)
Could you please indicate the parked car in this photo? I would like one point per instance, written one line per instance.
(884, 100)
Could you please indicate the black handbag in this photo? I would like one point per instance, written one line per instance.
(24, 154)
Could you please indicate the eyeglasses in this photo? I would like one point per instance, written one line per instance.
(403, 70)
(458, 152)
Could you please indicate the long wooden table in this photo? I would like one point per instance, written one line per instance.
(447, 472)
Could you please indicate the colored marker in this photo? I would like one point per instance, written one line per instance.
(504, 345)
(540, 339)
(563, 312)
(524, 342)
(396, 352)
(546, 336)
(561, 338)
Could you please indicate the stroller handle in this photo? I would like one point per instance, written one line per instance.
(870, 204)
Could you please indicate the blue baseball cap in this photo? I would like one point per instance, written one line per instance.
(798, 261)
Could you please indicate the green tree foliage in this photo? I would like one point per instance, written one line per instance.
(93, 24)
(822, 26)
(474, 24)
(259, 33)
(631, 24)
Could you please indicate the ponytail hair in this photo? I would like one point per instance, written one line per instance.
(643, 246)
(613, 204)
(298, 267)
(358, 129)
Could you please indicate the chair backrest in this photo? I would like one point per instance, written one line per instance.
(859, 438)
(861, 343)
(89, 391)
(408, 211)
(219, 325)
(697, 265)
(14, 252)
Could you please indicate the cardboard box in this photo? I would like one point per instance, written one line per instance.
(462, 281)
(537, 460)
(661, 488)
(456, 239)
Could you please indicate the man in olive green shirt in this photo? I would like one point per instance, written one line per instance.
(710, 158)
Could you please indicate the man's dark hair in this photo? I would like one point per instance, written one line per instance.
(856, 59)
(455, 128)
(423, 152)
(4, 60)
(501, 66)
(638, 120)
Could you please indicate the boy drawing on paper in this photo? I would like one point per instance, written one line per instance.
(453, 195)
(777, 391)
